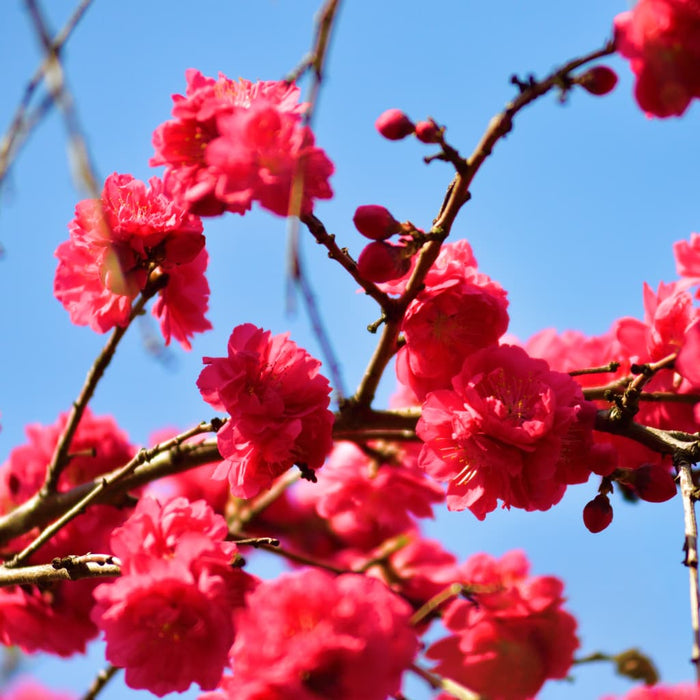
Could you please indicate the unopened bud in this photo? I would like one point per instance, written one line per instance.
(375, 222)
(598, 513)
(427, 131)
(381, 261)
(394, 125)
(599, 80)
(653, 483)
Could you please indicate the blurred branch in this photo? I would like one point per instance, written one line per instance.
(316, 61)
(22, 122)
(55, 80)
(101, 680)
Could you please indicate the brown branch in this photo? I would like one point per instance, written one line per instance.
(60, 456)
(22, 124)
(690, 547)
(62, 569)
(165, 459)
(671, 442)
(341, 255)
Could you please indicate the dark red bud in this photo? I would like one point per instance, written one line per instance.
(394, 125)
(653, 483)
(427, 132)
(375, 222)
(381, 261)
(599, 80)
(598, 513)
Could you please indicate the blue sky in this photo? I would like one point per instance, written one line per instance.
(577, 208)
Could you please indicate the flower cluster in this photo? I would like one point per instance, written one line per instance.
(168, 620)
(231, 143)
(118, 244)
(278, 403)
(512, 636)
(311, 636)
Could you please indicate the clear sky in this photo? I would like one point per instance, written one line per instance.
(577, 208)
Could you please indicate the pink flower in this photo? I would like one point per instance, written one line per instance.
(661, 38)
(513, 638)
(169, 619)
(351, 494)
(278, 403)
(29, 689)
(178, 529)
(687, 256)
(168, 627)
(446, 323)
(118, 243)
(509, 429)
(311, 636)
(231, 143)
(682, 691)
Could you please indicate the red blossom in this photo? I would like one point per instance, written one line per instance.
(168, 627)
(312, 636)
(117, 243)
(278, 403)
(509, 429)
(661, 39)
(235, 142)
(351, 495)
(513, 638)
(169, 619)
(682, 691)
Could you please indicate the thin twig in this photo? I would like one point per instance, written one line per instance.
(22, 124)
(101, 680)
(303, 559)
(249, 512)
(690, 547)
(62, 569)
(60, 455)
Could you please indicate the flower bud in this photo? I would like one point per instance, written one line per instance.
(653, 483)
(427, 131)
(599, 80)
(381, 261)
(598, 513)
(394, 125)
(375, 222)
